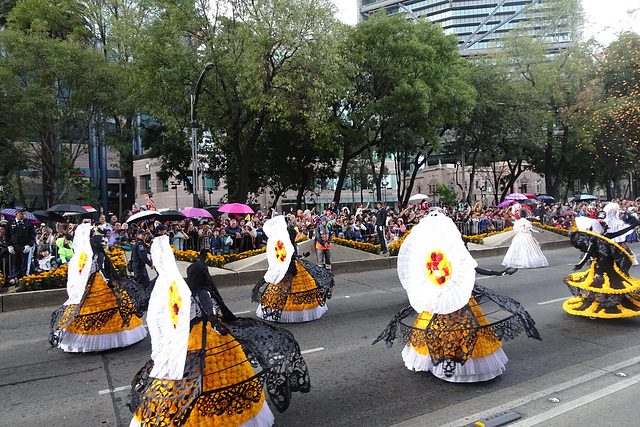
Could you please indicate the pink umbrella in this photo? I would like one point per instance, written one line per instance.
(196, 212)
(516, 196)
(505, 203)
(239, 208)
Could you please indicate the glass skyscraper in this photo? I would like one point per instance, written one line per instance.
(478, 24)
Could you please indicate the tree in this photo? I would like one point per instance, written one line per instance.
(610, 112)
(405, 83)
(55, 86)
(555, 78)
(272, 64)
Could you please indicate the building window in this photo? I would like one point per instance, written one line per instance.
(165, 185)
(210, 184)
(145, 181)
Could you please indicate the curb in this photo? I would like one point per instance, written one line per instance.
(56, 297)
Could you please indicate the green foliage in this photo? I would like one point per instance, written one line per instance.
(405, 82)
(55, 88)
(448, 196)
(272, 64)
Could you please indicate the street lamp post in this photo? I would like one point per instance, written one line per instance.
(194, 133)
(174, 186)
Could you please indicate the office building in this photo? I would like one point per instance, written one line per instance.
(478, 24)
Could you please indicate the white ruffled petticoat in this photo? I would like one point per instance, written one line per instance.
(474, 369)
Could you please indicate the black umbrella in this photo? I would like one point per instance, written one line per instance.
(45, 216)
(170, 215)
(583, 198)
(545, 198)
(67, 208)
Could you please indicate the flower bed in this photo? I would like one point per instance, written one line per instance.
(478, 239)
(556, 230)
(219, 261)
(56, 279)
(367, 247)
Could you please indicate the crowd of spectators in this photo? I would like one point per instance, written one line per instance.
(232, 233)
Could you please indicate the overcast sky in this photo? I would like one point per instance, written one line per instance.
(606, 19)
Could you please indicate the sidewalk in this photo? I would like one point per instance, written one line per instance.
(250, 270)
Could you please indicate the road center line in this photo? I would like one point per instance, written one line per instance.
(542, 393)
(554, 300)
(583, 400)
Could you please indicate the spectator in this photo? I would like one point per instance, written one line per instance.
(21, 236)
(323, 243)
(140, 259)
(46, 261)
(381, 221)
(217, 245)
(261, 238)
(234, 232)
(65, 249)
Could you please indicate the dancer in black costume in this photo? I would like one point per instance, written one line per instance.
(451, 336)
(103, 310)
(203, 357)
(293, 289)
(605, 290)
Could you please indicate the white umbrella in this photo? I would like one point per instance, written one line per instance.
(142, 215)
(418, 197)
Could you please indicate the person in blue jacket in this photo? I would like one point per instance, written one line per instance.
(140, 259)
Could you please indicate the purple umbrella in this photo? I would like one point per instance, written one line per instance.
(239, 208)
(12, 214)
(196, 212)
(516, 196)
(505, 203)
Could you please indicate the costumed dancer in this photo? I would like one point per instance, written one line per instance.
(451, 336)
(615, 223)
(292, 290)
(202, 357)
(605, 290)
(103, 310)
(524, 251)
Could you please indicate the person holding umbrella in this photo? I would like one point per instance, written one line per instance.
(21, 235)
(140, 259)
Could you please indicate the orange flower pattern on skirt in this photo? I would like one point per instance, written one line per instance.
(486, 344)
(101, 302)
(225, 365)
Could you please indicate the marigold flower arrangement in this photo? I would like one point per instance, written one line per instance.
(367, 247)
(56, 279)
(219, 261)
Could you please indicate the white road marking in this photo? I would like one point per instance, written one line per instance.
(559, 410)
(115, 390)
(312, 350)
(554, 300)
(243, 312)
(542, 393)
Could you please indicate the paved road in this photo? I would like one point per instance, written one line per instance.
(590, 366)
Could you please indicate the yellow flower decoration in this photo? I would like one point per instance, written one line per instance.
(438, 268)
(82, 261)
(175, 302)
